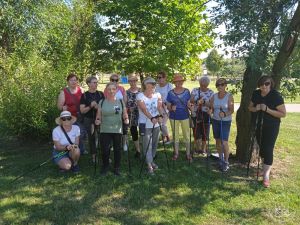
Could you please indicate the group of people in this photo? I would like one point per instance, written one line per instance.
(146, 111)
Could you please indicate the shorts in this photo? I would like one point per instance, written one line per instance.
(57, 159)
(218, 134)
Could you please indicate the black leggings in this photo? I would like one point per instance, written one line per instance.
(268, 138)
(105, 143)
(134, 133)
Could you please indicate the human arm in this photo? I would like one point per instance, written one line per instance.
(61, 102)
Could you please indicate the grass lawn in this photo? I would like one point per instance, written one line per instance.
(187, 194)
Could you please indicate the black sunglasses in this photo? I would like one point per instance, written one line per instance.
(66, 118)
(221, 84)
(266, 83)
(114, 80)
(160, 77)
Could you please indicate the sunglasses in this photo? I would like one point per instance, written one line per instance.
(114, 80)
(266, 83)
(160, 77)
(132, 80)
(221, 84)
(66, 118)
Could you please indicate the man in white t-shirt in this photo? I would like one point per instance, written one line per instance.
(163, 87)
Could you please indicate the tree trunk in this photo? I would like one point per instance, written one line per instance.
(287, 47)
(243, 116)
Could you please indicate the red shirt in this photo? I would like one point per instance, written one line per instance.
(72, 101)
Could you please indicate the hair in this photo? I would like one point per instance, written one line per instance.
(162, 73)
(220, 80)
(263, 79)
(143, 83)
(114, 75)
(89, 79)
(111, 83)
(204, 79)
(132, 76)
(71, 75)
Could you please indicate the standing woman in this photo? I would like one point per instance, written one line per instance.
(69, 99)
(268, 105)
(88, 106)
(61, 143)
(178, 105)
(110, 113)
(222, 106)
(200, 99)
(133, 111)
(163, 87)
(150, 109)
(121, 93)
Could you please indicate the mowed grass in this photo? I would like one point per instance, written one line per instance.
(195, 193)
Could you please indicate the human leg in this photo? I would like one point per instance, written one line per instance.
(117, 139)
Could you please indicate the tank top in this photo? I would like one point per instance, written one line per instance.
(221, 103)
(72, 101)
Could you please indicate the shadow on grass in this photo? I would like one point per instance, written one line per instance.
(170, 197)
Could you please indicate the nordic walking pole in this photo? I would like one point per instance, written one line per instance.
(164, 145)
(208, 150)
(127, 143)
(142, 166)
(252, 140)
(222, 144)
(260, 137)
(40, 165)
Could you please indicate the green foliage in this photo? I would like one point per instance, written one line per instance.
(214, 62)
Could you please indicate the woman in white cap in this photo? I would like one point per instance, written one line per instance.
(62, 135)
(150, 110)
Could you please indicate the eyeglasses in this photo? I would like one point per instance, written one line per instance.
(66, 118)
(221, 84)
(132, 80)
(95, 82)
(266, 83)
(114, 80)
(159, 78)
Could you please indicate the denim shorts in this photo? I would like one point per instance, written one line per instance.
(57, 159)
(218, 133)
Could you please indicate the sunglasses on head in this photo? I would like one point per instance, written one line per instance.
(66, 118)
(114, 80)
(221, 84)
(267, 83)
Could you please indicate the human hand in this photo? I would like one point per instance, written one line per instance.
(222, 114)
(173, 107)
(64, 108)
(97, 121)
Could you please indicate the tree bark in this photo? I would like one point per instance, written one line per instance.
(287, 47)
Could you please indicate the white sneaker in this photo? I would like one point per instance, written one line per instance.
(125, 147)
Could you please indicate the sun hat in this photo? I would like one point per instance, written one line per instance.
(65, 114)
(149, 80)
(178, 77)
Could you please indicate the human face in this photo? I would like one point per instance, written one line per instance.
(72, 82)
(203, 85)
(93, 84)
(132, 82)
(114, 79)
(265, 87)
(178, 83)
(111, 90)
(221, 86)
(161, 79)
(150, 86)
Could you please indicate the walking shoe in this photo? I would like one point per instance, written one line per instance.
(62, 170)
(150, 171)
(266, 183)
(154, 166)
(75, 169)
(225, 167)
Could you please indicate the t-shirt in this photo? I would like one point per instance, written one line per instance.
(58, 135)
(119, 94)
(221, 104)
(180, 100)
(86, 100)
(205, 95)
(164, 90)
(272, 100)
(151, 105)
(111, 112)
